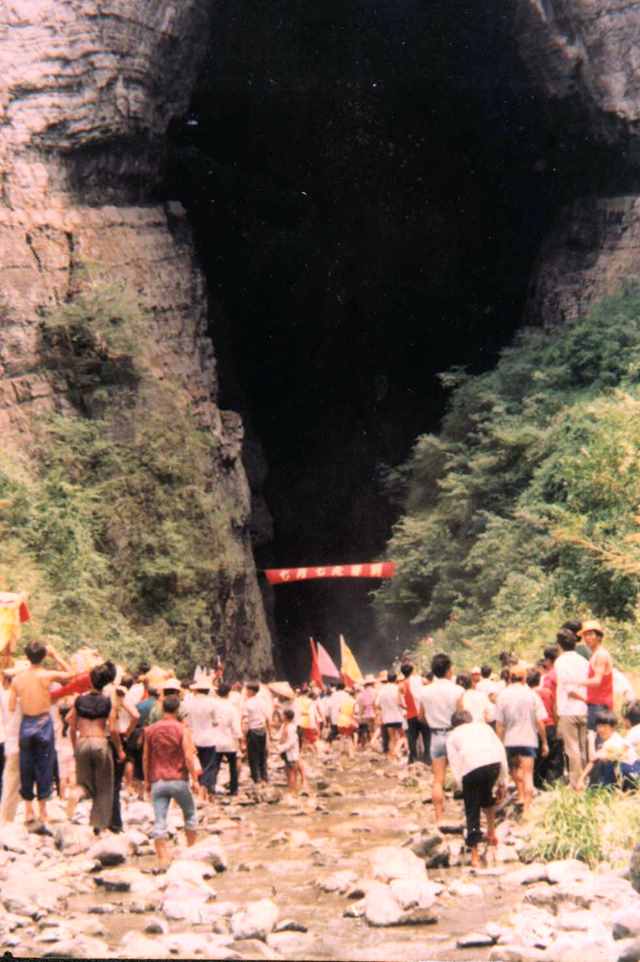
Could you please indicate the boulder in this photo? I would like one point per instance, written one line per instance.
(626, 922)
(380, 906)
(189, 870)
(528, 875)
(517, 953)
(426, 844)
(634, 868)
(339, 882)
(255, 921)
(110, 850)
(389, 862)
(189, 944)
(583, 947)
(465, 889)
(629, 951)
(209, 850)
(156, 926)
(127, 879)
(567, 871)
(135, 945)
(412, 894)
(475, 940)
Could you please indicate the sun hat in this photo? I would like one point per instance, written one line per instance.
(591, 626)
(369, 680)
(171, 684)
(476, 670)
(519, 670)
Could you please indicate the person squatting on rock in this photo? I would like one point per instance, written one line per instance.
(93, 723)
(478, 763)
(30, 690)
(169, 759)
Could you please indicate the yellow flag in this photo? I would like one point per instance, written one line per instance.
(349, 670)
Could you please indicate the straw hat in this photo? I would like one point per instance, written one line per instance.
(155, 677)
(368, 680)
(519, 670)
(476, 670)
(173, 684)
(591, 626)
(281, 688)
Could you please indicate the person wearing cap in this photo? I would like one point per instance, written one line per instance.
(170, 686)
(200, 715)
(599, 682)
(520, 717)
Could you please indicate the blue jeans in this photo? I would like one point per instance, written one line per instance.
(161, 794)
(37, 756)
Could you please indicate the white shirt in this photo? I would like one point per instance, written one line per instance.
(622, 687)
(335, 704)
(439, 700)
(227, 730)
(289, 744)
(135, 694)
(199, 713)
(477, 704)
(489, 687)
(617, 749)
(12, 721)
(388, 701)
(473, 745)
(571, 669)
(256, 714)
(633, 737)
(518, 709)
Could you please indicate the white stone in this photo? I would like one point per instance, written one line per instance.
(411, 894)
(256, 920)
(582, 947)
(626, 921)
(338, 881)
(208, 849)
(465, 889)
(389, 862)
(567, 871)
(110, 850)
(188, 870)
(380, 906)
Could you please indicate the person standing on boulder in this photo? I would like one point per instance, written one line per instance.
(227, 734)
(168, 759)
(257, 725)
(30, 688)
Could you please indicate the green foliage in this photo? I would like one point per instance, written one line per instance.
(116, 525)
(525, 509)
(595, 825)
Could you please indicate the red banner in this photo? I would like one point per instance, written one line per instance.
(378, 569)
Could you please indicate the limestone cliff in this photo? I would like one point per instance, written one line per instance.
(583, 58)
(87, 90)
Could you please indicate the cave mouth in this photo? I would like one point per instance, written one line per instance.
(368, 187)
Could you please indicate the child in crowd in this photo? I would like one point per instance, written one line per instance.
(614, 751)
(290, 753)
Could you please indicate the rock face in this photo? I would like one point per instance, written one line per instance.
(87, 91)
(585, 51)
(582, 57)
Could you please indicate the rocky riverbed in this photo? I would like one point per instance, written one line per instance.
(355, 871)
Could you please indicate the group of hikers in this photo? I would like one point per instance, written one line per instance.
(96, 734)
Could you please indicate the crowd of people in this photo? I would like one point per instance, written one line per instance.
(105, 732)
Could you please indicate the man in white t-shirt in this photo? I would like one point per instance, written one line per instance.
(438, 702)
(571, 670)
(520, 716)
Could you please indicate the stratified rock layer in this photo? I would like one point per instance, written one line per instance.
(87, 90)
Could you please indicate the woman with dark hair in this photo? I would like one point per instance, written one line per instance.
(92, 722)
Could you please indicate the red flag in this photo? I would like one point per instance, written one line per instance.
(377, 569)
(316, 674)
(325, 663)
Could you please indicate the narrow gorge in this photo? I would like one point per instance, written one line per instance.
(318, 208)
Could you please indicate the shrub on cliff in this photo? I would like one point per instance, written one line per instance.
(526, 508)
(115, 524)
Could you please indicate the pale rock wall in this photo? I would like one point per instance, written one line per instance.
(87, 90)
(585, 54)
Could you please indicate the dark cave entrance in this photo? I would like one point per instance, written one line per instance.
(368, 186)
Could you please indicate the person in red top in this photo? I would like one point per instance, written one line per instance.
(547, 768)
(169, 758)
(599, 683)
(410, 687)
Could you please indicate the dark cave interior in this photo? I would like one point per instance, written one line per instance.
(368, 185)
